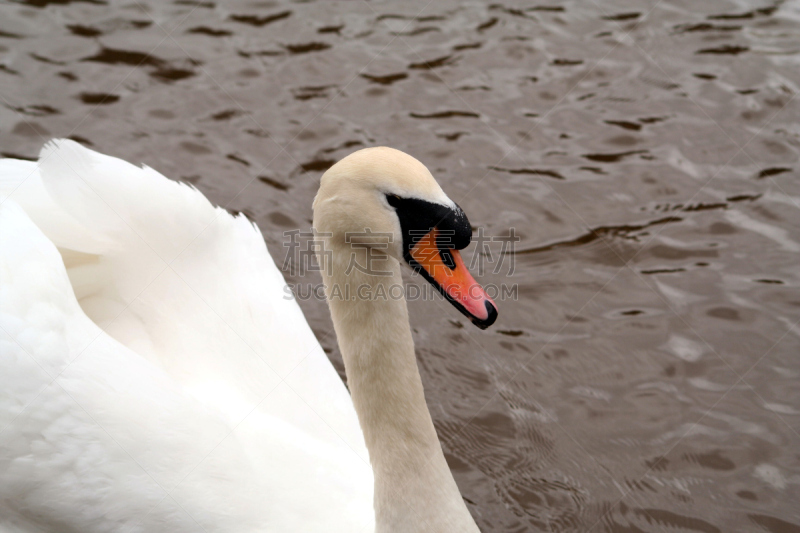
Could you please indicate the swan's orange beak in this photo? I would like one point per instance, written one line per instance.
(444, 268)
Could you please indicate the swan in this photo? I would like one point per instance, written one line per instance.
(155, 377)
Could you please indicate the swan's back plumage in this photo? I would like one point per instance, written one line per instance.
(158, 376)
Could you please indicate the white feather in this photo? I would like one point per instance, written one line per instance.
(154, 375)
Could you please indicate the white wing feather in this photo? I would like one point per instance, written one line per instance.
(155, 376)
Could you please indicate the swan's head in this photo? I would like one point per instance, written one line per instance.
(384, 198)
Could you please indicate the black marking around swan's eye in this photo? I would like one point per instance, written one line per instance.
(418, 217)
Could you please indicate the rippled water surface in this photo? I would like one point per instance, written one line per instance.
(646, 154)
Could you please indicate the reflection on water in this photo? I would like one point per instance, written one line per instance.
(646, 379)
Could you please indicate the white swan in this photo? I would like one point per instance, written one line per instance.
(153, 377)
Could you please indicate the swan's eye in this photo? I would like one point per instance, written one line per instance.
(393, 200)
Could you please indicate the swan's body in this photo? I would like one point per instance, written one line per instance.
(154, 376)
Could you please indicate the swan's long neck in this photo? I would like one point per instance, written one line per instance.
(414, 489)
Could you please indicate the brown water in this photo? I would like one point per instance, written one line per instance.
(646, 153)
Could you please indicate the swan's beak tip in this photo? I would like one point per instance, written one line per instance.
(491, 316)
(452, 278)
